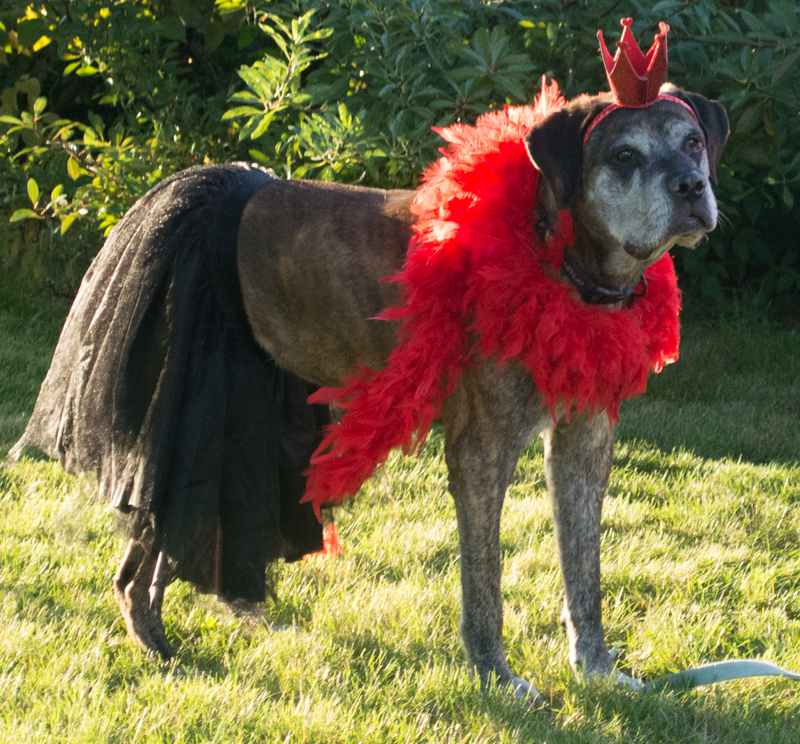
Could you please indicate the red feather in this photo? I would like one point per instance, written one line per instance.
(475, 269)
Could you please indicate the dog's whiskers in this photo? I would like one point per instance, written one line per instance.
(723, 220)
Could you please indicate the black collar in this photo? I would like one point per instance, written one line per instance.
(590, 292)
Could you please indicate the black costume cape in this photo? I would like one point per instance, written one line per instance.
(158, 385)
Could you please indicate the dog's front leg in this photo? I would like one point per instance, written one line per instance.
(488, 421)
(578, 459)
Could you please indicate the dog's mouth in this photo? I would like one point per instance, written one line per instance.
(687, 231)
(693, 228)
(643, 253)
(695, 222)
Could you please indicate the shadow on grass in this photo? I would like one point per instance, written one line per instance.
(735, 393)
(598, 712)
(739, 430)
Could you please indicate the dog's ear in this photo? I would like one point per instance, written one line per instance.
(714, 121)
(555, 146)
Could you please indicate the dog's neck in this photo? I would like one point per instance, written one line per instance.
(584, 261)
(594, 253)
(592, 293)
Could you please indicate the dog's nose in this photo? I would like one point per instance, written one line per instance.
(689, 185)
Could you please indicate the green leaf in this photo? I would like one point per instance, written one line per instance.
(784, 66)
(512, 85)
(67, 221)
(794, 162)
(87, 70)
(259, 157)
(262, 126)
(39, 105)
(241, 111)
(752, 21)
(73, 169)
(97, 123)
(56, 192)
(41, 43)
(702, 14)
(22, 214)
(246, 36)
(246, 97)
(247, 129)
(214, 35)
(322, 33)
(29, 30)
(33, 191)
(749, 120)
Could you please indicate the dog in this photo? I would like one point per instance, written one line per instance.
(639, 186)
(310, 261)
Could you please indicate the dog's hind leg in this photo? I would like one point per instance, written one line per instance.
(162, 575)
(488, 420)
(139, 590)
(578, 459)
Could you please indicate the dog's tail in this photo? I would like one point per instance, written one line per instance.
(159, 387)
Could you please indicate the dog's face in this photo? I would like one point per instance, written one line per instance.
(646, 180)
(639, 184)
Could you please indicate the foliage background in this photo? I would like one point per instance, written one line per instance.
(102, 99)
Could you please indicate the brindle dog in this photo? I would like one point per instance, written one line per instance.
(311, 257)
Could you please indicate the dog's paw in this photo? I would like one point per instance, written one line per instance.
(526, 693)
(172, 670)
(252, 615)
(604, 670)
(633, 684)
(615, 676)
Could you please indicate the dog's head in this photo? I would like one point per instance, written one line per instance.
(640, 182)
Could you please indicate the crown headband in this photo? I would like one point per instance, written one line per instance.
(635, 78)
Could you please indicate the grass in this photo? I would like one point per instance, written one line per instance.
(701, 561)
(30, 321)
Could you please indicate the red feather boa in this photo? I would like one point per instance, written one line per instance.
(476, 270)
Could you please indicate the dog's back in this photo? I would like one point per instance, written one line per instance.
(311, 256)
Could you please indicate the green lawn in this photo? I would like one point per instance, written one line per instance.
(701, 559)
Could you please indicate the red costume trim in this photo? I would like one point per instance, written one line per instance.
(614, 106)
(478, 279)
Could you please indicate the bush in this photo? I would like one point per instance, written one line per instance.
(104, 100)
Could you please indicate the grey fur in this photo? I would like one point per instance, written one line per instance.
(310, 259)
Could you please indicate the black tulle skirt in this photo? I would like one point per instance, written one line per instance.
(158, 385)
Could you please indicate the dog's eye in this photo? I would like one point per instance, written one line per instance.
(625, 156)
(694, 144)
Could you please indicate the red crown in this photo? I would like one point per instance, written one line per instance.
(635, 78)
